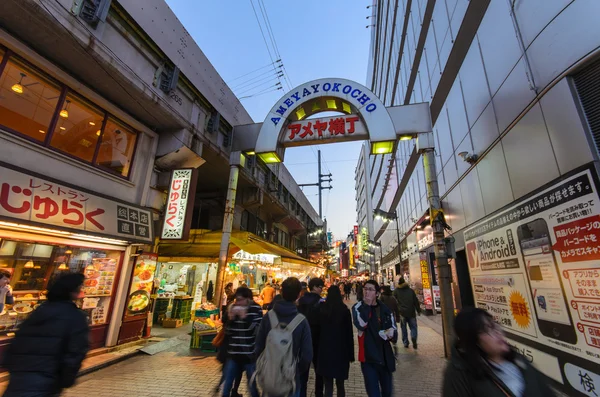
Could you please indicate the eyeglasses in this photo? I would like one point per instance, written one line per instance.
(370, 289)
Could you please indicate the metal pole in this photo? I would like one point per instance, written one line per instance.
(437, 223)
(320, 188)
(399, 248)
(236, 161)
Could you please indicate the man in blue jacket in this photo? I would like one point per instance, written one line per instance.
(376, 331)
(286, 311)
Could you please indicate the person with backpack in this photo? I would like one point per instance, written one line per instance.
(376, 332)
(243, 320)
(46, 353)
(309, 306)
(283, 345)
(409, 307)
(359, 291)
(336, 341)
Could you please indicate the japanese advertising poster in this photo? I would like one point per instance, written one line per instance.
(535, 266)
(142, 283)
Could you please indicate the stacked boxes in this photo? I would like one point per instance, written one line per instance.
(182, 309)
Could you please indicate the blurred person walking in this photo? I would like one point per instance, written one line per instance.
(243, 320)
(336, 341)
(376, 333)
(309, 306)
(388, 299)
(46, 353)
(281, 360)
(409, 307)
(267, 295)
(347, 290)
(484, 364)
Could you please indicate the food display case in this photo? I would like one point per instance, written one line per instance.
(34, 266)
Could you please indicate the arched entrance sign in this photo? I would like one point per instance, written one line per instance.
(360, 116)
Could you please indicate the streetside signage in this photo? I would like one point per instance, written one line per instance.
(325, 130)
(24, 197)
(353, 92)
(535, 266)
(180, 205)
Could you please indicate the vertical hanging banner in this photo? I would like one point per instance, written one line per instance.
(535, 267)
(180, 205)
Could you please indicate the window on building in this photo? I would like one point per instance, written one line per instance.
(78, 128)
(27, 100)
(116, 147)
(31, 104)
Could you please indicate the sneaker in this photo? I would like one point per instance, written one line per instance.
(415, 345)
(406, 345)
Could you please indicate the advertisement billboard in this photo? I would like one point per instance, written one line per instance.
(535, 267)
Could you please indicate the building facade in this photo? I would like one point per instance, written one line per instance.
(364, 189)
(98, 105)
(512, 87)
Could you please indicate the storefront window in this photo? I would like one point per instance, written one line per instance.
(27, 101)
(33, 267)
(77, 128)
(116, 148)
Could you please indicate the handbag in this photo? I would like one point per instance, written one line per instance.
(219, 338)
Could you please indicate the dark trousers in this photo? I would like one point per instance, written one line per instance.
(378, 380)
(339, 385)
(318, 382)
(412, 324)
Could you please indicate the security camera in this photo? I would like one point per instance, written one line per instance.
(468, 157)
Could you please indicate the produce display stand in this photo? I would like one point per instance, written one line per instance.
(202, 339)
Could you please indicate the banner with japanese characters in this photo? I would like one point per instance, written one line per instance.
(535, 267)
(43, 202)
(180, 205)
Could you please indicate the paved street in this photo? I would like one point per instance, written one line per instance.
(181, 372)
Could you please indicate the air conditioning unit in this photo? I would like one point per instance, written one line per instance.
(252, 197)
(94, 11)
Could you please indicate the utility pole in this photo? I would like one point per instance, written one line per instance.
(436, 215)
(322, 178)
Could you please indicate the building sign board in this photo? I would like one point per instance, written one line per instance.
(24, 197)
(180, 205)
(343, 128)
(534, 265)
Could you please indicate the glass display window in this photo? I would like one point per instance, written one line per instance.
(116, 149)
(33, 267)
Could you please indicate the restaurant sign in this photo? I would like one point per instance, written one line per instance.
(31, 199)
(180, 205)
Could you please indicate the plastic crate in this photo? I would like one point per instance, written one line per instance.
(206, 313)
(203, 340)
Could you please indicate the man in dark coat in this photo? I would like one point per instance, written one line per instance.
(409, 307)
(309, 306)
(388, 299)
(47, 351)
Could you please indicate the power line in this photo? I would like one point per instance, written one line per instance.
(270, 28)
(257, 82)
(263, 92)
(254, 71)
(273, 71)
(250, 89)
(261, 31)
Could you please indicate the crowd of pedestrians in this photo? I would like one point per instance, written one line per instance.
(304, 324)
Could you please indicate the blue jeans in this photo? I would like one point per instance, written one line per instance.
(412, 324)
(378, 380)
(232, 370)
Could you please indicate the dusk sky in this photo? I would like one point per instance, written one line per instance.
(315, 39)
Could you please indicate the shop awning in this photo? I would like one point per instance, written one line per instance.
(204, 245)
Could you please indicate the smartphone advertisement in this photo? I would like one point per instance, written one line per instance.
(535, 266)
